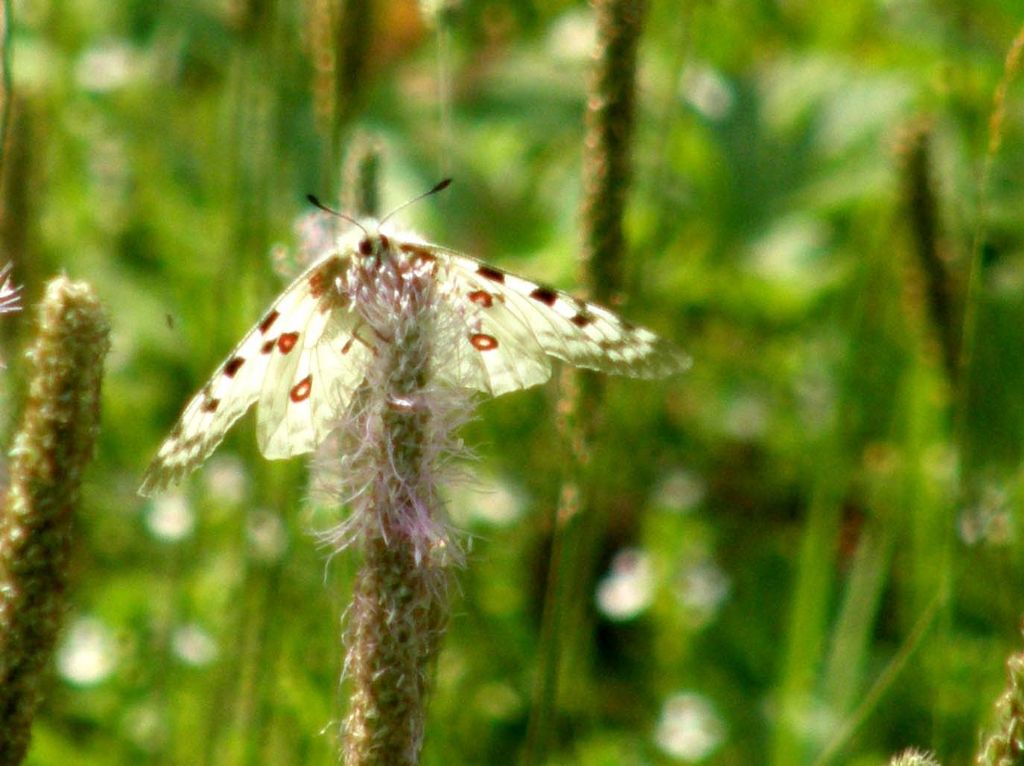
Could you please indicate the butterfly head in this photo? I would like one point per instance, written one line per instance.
(373, 246)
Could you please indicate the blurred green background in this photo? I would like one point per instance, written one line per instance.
(812, 551)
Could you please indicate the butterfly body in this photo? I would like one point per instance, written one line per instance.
(305, 358)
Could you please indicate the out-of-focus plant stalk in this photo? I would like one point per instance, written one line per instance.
(361, 175)
(5, 77)
(607, 160)
(340, 35)
(996, 122)
(610, 117)
(943, 302)
(353, 36)
(49, 455)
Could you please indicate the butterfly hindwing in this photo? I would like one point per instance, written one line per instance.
(306, 390)
(498, 352)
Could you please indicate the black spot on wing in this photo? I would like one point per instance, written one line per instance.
(545, 295)
(233, 366)
(268, 321)
(487, 272)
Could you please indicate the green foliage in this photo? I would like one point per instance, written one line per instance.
(813, 541)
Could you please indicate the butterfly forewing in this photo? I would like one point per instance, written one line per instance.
(297, 315)
(531, 323)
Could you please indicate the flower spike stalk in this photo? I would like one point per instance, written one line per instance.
(396, 438)
(49, 455)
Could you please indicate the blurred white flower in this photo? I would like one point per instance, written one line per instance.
(702, 587)
(86, 656)
(108, 66)
(226, 480)
(681, 491)
(628, 588)
(707, 91)
(267, 536)
(572, 37)
(746, 417)
(487, 500)
(790, 255)
(990, 520)
(146, 726)
(434, 11)
(689, 728)
(170, 517)
(193, 645)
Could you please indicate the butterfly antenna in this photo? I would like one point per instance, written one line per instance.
(441, 186)
(317, 203)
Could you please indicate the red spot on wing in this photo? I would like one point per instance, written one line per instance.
(287, 341)
(424, 261)
(318, 283)
(268, 321)
(324, 284)
(581, 319)
(301, 390)
(482, 298)
(482, 342)
(210, 405)
(490, 273)
(545, 295)
(421, 256)
(233, 366)
(268, 346)
(418, 251)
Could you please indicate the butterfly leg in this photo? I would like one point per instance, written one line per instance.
(355, 336)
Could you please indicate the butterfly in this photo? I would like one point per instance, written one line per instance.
(303, 361)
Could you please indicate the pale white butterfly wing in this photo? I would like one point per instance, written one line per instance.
(498, 352)
(284, 414)
(514, 325)
(479, 360)
(306, 390)
(238, 381)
